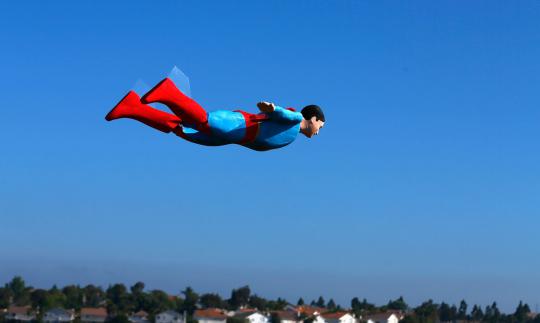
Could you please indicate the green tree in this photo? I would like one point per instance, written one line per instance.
(398, 304)
(239, 297)
(277, 305)
(74, 296)
(320, 302)
(496, 311)
(38, 298)
(157, 301)
(118, 300)
(355, 304)
(426, 312)
(453, 311)
(190, 300)
(522, 312)
(488, 313)
(445, 312)
(137, 296)
(55, 298)
(258, 302)
(462, 311)
(331, 305)
(138, 288)
(300, 302)
(492, 313)
(359, 308)
(92, 296)
(121, 318)
(6, 295)
(17, 286)
(19, 291)
(211, 301)
(476, 313)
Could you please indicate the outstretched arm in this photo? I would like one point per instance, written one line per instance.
(278, 113)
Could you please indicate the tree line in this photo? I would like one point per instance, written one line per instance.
(121, 301)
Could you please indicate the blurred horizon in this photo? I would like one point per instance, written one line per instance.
(424, 182)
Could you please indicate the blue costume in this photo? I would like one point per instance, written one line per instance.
(273, 130)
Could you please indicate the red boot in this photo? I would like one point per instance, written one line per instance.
(183, 106)
(131, 107)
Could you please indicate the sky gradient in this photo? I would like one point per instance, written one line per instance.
(424, 182)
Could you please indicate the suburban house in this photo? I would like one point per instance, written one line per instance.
(93, 314)
(308, 311)
(20, 313)
(252, 316)
(382, 318)
(58, 315)
(210, 315)
(169, 317)
(286, 316)
(312, 313)
(338, 317)
(139, 317)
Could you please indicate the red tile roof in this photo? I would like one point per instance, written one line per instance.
(95, 311)
(335, 315)
(310, 310)
(247, 310)
(215, 313)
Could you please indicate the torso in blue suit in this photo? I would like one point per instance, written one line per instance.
(270, 131)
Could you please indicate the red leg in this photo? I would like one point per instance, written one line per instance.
(131, 107)
(183, 106)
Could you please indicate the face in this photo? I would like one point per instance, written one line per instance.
(313, 127)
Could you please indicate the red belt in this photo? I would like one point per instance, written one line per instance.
(252, 124)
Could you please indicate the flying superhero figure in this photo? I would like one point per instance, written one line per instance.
(274, 128)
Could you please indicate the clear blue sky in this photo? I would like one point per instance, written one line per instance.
(425, 181)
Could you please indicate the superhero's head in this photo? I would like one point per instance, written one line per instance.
(313, 120)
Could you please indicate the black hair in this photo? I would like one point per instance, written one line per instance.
(311, 111)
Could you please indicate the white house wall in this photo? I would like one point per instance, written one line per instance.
(392, 319)
(167, 318)
(288, 321)
(57, 318)
(257, 318)
(347, 319)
